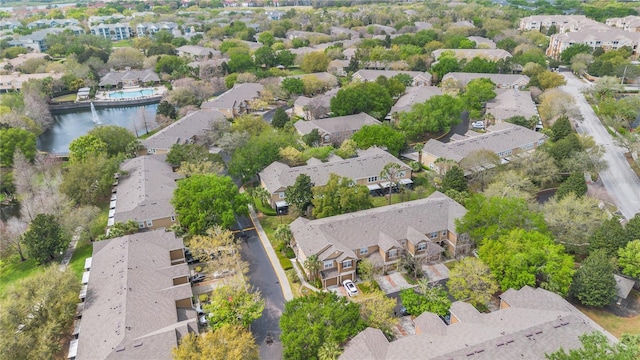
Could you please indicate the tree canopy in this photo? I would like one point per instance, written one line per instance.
(339, 196)
(12, 139)
(434, 299)
(433, 116)
(380, 135)
(233, 305)
(471, 280)
(531, 258)
(203, 201)
(310, 321)
(118, 140)
(44, 239)
(36, 311)
(596, 346)
(300, 193)
(629, 259)
(85, 146)
(369, 97)
(593, 283)
(230, 342)
(454, 179)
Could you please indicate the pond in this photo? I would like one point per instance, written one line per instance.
(71, 125)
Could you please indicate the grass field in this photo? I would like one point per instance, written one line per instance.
(83, 251)
(616, 325)
(64, 98)
(13, 270)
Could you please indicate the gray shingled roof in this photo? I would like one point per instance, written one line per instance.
(369, 344)
(498, 79)
(130, 308)
(414, 95)
(623, 286)
(521, 331)
(334, 125)
(180, 132)
(370, 162)
(146, 191)
(372, 75)
(498, 138)
(511, 102)
(362, 229)
(114, 77)
(198, 50)
(234, 96)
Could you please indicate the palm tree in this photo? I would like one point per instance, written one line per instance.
(390, 173)
(312, 264)
(418, 147)
(283, 233)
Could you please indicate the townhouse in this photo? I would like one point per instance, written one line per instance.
(114, 32)
(504, 139)
(530, 324)
(143, 193)
(418, 78)
(137, 301)
(421, 228)
(128, 78)
(335, 130)
(363, 170)
(597, 36)
(235, 101)
(540, 22)
(412, 95)
(502, 81)
(509, 103)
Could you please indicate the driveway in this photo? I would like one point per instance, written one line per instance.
(266, 329)
(436, 272)
(392, 283)
(621, 182)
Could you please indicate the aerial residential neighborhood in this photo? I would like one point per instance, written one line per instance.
(294, 179)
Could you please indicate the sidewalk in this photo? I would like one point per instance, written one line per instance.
(301, 277)
(273, 258)
(70, 250)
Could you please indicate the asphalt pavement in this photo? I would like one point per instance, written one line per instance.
(620, 181)
(262, 276)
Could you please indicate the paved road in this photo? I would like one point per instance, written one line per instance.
(266, 330)
(620, 181)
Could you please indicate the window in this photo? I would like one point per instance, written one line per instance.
(151, 151)
(444, 232)
(421, 246)
(173, 218)
(327, 138)
(401, 174)
(328, 264)
(347, 264)
(281, 195)
(141, 225)
(434, 235)
(393, 253)
(372, 179)
(364, 251)
(149, 223)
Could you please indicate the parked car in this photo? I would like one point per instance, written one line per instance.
(350, 287)
(223, 273)
(197, 278)
(477, 124)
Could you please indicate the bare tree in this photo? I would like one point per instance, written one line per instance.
(11, 237)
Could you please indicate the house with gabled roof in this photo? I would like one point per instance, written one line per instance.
(469, 54)
(120, 79)
(192, 128)
(143, 193)
(482, 42)
(504, 139)
(335, 130)
(419, 78)
(421, 228)
(363, 170)
(412, 95)
(317, 107)
(508, 81)
(137, 301)
(235, 101)
(198, 53)
(529, 324)
(509, 103)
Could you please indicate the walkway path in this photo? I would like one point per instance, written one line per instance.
(273, 258)
(70, 250)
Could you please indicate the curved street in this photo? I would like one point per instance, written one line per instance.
(622, 184)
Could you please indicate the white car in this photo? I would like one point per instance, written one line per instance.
(477, 124)
(350, 287)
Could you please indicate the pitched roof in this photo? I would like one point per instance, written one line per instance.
(370, 162)
(114, 77)
(489, 54)
(511, 102)
(338, 124)
(130, 308)
(198, 50)
(498, 79)
(369, 344)
(481, 40)
(233, 97)
(623, 286)
(372, 75)
(196, 124)
(498, 138)
(362, 229)
(414, 95)
(523, 332)
(145, 192)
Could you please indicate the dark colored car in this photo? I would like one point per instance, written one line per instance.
(197, 278)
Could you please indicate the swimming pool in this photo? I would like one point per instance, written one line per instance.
(131, 94)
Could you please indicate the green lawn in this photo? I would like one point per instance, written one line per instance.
(83, 251)
(398, 198)
(122, 43)
(63, 98)
(13, 270)
(616, 325)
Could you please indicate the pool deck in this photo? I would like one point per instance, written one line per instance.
(104, 95)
